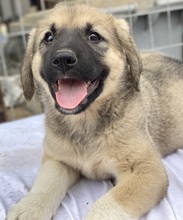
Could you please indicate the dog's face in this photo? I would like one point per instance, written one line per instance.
(79, 55)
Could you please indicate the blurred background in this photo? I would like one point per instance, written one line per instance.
(155, 25)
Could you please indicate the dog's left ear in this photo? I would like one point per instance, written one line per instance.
(26, 73)
(132, 54)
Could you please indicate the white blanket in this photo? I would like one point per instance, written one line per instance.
(20, 156)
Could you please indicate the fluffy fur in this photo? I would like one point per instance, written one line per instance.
(122, 133)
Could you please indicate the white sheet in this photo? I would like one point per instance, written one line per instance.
(20, 155)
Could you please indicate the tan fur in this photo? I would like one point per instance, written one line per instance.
(122, 134)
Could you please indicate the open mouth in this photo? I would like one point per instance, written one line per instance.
(71, 93)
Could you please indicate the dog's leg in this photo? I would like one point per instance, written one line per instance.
(136, 192)
(53, 180)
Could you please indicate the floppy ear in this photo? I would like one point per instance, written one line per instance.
(26, 73)
(131, 51)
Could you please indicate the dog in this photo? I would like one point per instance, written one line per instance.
(111, 112)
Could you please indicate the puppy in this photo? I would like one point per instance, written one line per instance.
(106, 117)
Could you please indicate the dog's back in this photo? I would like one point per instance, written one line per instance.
(162, 97)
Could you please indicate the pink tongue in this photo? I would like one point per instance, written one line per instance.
(70, 93)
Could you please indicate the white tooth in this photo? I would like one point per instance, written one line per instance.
(88, 83)
(84, 100)
(55, 87)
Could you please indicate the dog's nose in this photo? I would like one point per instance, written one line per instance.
(64, 59)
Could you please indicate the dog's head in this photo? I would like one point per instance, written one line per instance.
(78, 55)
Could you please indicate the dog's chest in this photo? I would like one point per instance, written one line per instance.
(96, 169)
(92, 160)
(92, 165)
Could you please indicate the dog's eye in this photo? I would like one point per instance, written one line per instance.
(48, 37)
(94, 37)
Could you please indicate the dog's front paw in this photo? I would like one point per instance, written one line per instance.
(107, 208)
(32, 207)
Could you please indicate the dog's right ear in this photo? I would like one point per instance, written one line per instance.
(26, 73)
(132, 53)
